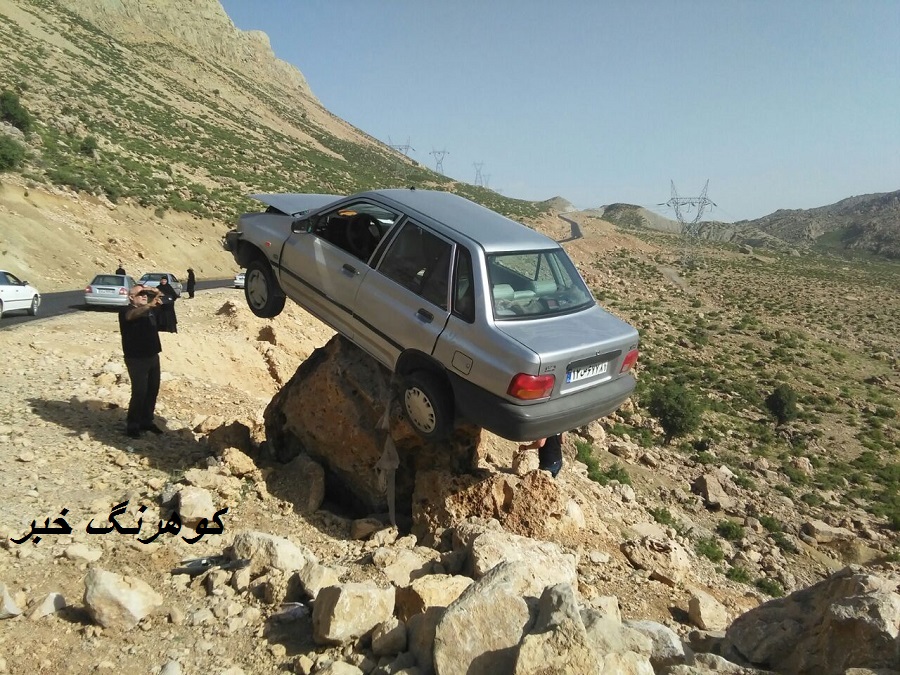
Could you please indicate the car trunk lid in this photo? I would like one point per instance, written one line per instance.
(582, 350)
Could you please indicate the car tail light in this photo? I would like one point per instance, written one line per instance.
(123, 291)
(88, 289)
(531, 387)
(630, 359)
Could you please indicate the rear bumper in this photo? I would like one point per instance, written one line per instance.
(539, 420)
(97, 300)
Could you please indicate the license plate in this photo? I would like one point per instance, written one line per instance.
(105, 290)
(587, 372)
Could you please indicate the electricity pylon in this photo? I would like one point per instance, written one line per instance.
(401, 167)
(478, 179)
(439, 159)
(690, 230)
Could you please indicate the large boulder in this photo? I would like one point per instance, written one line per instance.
(849, 620)
(330, 410)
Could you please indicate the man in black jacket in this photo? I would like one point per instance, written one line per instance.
(141, 346)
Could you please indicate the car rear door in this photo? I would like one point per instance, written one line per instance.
(403, 304)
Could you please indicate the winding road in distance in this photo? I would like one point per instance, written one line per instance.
(63, 302)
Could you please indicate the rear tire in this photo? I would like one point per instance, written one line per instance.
(262, 291)
(428, 404)
(1, 309)
(35, 303)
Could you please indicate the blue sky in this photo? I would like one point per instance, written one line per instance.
(778, 103)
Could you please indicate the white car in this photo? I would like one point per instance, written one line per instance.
(239, 280)
(17, 294)
(152, 279)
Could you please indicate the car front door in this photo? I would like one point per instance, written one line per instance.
(404, 303)
(322, 278)
(13, 292)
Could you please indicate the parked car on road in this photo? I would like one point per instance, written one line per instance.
(479, 317)
(239, 280)
(16, 294)
(152, 279)
(108, 290)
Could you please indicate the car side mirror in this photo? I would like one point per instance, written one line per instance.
(301, 225)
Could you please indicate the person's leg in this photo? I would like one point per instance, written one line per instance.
(153, 376)
(138, 372)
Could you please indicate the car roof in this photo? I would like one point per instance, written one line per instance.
(494, 232)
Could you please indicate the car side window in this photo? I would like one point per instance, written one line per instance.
(355, 228)
(12, 280)
(4, 281)
(463, 288)
(420, 261)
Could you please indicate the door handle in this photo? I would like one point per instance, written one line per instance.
(425, 315)
(350, 269)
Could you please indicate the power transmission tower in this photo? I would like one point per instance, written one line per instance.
(487, 181)
(690, 229)
(478, 179)
(401, 167)
(439, 159)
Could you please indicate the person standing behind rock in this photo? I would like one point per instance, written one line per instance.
(141, 347)
(191, 282)
(165, 314)
(549, 453)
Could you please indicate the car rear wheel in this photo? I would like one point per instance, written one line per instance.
(1, 309)
(35, 303)
(428, 404)
(264, 296)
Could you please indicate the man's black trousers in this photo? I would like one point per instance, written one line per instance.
(144, 374)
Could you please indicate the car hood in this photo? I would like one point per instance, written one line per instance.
(295, 203)
(560, 340)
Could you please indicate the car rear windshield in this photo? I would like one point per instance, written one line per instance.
(535, 284)
(152, 276)
(108, 280)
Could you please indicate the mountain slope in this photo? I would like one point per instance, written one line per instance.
(169, 105)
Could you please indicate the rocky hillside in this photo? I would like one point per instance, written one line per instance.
(868, 223)
(168, 106)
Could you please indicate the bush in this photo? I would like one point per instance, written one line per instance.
(12, 111)
(709, 548)
(738, 574)
(676, 408)
(12, 153)
(782, 403)
(88, 146)
(770, 587)
(730, 530)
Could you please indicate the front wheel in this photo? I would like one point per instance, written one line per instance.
(35, 303)
(264, 296)
(428, 404)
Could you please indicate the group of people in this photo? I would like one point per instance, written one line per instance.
(150, 310)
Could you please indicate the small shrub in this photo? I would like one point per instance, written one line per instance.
(770, 587)
(738, 574)
(676, 408)
(663, 516)
(12, 111)
(12, 154)
(709, 548)
(771, 524)
(728, 529)
(88, 146)
(782, 403)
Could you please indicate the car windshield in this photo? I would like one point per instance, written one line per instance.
(533, 284)
(108, 280)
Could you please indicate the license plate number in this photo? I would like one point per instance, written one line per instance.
(106, 290)
(587, 372)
